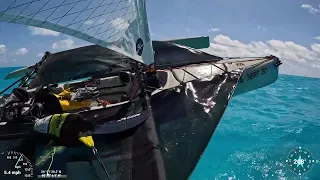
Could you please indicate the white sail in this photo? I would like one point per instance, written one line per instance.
(120, 25)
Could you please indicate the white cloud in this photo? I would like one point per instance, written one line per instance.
(40, 55)
(21, 52)
(43, 32)
(316, 48)
(316, 66)
(3, 49)
(214, 29)
(310, 8)
(317, 38)
(120, 23)
(90, 22)
(3, 54)
(290, 53)
(261, 28)
(64, 44)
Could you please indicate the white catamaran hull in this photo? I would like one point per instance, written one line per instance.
(257, 73)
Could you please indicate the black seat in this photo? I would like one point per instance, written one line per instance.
(49, 101)
(21, 94)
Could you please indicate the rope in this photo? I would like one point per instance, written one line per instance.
(190, 74)
(95, 152)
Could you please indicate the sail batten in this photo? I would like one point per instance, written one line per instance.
(119, 25)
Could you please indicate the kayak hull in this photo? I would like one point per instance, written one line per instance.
(257, 77)
(257, 73)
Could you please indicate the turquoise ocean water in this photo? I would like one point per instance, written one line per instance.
(259, 129)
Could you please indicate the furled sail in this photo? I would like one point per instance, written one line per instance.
(120, 25)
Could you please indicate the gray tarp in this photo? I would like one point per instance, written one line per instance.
(172, 55)
(87, 61)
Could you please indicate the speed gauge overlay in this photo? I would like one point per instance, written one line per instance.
(14, 165)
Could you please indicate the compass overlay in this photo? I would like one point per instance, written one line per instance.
(300, 161)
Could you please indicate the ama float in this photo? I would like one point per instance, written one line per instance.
(154, 105)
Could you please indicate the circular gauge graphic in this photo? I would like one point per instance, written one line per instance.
(14, 165)
(300, 160)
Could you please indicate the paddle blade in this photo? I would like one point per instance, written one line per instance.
(194, 42)
(87, 140)
(19, 72)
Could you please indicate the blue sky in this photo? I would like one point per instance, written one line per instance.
(284, 19)
(285, 28)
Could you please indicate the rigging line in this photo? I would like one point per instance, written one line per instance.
(103, 13)
(219, 67)
(116, 26)
(34, 14)
(61, 5)
(12, 84)
(100, 5)
(19, 5)
(64, 14)
(190, 74)
(24, 10)
(89, 17)
(104, 20)
(96, 153)
(108, 21)
(97, 18)
(83, 10)
(40, 9)
(175, 76)
(111, 35)
(54, 7)
(122, 31)
(224, 65)
(7, 8)
(111, 23)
